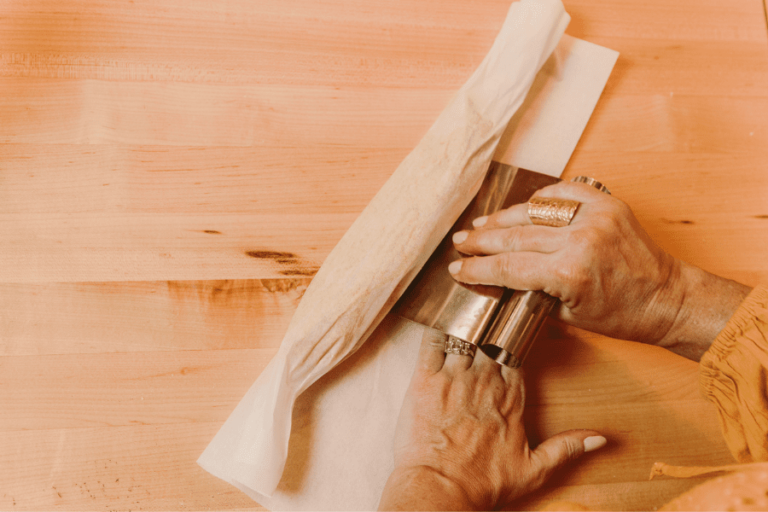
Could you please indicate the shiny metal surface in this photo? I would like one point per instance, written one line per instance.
(437, 300)
(515, 327)
(465, 312)
(593, 182)
(522, 314)
(459, 347)
(551, 211)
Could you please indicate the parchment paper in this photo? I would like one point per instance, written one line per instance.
(340, 450)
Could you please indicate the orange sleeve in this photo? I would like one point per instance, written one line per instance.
(734, 376)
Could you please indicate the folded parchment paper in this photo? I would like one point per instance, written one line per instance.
(340, 451)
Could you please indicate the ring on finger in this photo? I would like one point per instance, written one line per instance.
(592, 182)
(459, 347)
(555, 212)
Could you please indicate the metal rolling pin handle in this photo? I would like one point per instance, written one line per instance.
(520, 318)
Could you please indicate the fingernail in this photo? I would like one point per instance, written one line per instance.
(460, 236)
(593, 443)
(480, 221)
(454, 267)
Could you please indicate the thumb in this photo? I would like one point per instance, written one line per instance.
(564, 447)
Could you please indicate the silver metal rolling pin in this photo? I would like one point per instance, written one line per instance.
(520, 317)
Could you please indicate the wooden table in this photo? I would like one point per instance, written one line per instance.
(172, 173)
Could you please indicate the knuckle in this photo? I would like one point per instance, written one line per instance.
(607, 226)
(571, 449)
(511, 239)
(572, 277)
(621, 209)
(501, 269)
(613, 216)
(491, 391)
(584, 244)
(481, 241)
(589, 236)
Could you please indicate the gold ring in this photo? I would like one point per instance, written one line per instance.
(557, 213)
(459, 347)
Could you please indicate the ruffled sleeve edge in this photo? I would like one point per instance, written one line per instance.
(727, 340)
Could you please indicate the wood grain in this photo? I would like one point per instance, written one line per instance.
(146, 316)
(173, 173)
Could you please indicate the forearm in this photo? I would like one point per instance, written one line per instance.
(704, 305)
(422, 488)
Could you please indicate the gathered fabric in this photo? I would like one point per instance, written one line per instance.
(733, 375)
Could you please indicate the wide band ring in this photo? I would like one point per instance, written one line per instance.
(545, 211)
(592, 182)
(459, 347)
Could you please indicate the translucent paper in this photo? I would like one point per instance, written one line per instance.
(360, 281)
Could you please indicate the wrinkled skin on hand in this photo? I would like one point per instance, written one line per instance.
(610, 276)
(461, 425)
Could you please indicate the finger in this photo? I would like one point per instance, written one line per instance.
(516, 270)
(485, 363)
(512, 376)
(490, 388)
(516, 215)
(455, 363)
(515, 239)
(563, 448)
(431, 353)
(575, 191)
(482, 363)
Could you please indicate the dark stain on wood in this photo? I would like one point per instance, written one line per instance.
(188, 370)
(761, 216)
(299, 272)
(212, 232)
(275, 255)
(671, 221)
(296, 266)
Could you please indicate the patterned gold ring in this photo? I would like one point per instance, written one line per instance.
(553, 212)
(459, 347)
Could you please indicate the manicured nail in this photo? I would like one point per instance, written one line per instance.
(480, 221)
(460, 236)
(454, 267)
(592, 443)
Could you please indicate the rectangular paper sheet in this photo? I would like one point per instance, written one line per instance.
(543, 133)
(339, 453)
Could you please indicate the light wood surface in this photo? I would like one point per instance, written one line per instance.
(172, 173)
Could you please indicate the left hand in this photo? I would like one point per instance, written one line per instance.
(609, 275)
(460, 442)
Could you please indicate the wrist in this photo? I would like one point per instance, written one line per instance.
(425, 488)
(702, 304)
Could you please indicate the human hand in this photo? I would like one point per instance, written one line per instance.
(610, 277)
(460, 442)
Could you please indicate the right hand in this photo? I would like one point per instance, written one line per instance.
(460, 441)
(608, 273)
